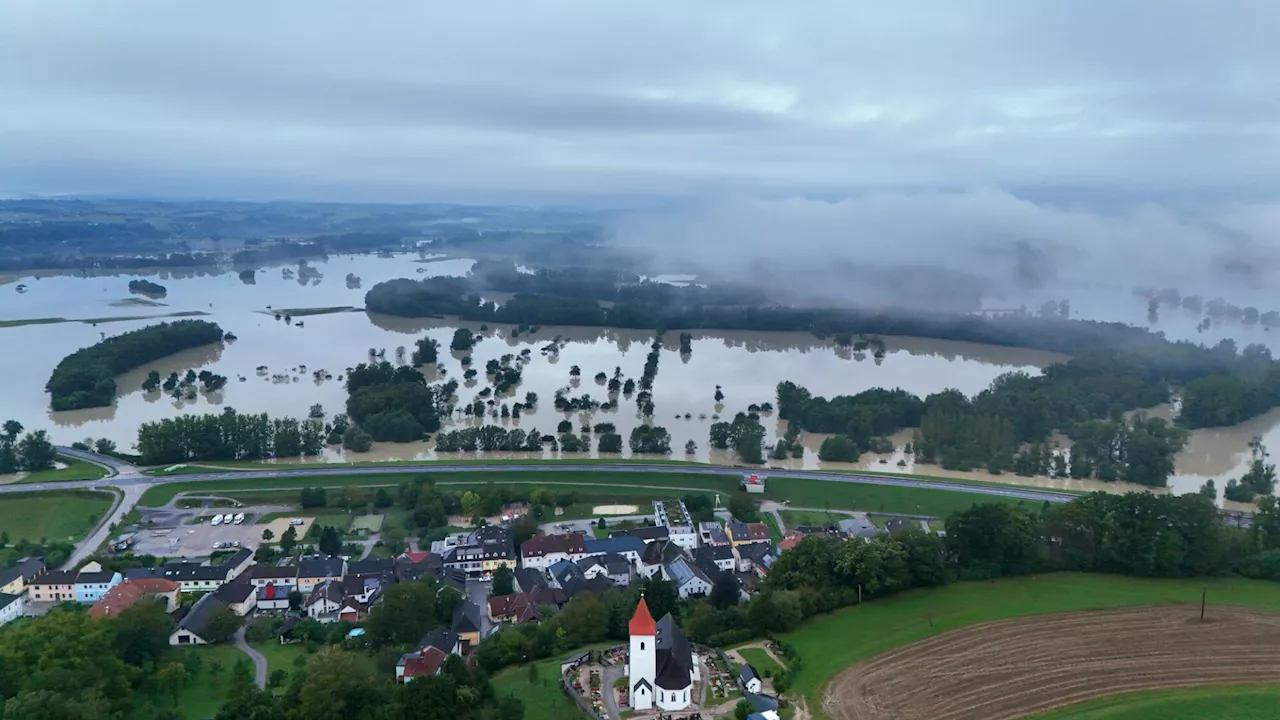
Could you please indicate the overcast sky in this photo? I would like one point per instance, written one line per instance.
(581, 101)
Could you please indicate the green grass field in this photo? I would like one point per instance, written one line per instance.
(543, 700)
(606, 485)
(203, 693)
(795, 518)
(257, 465)
(775, 532)
(282, 657)
(1243, 702)
(75, 470)
(55, 515)
(760, 660)
(833, 642)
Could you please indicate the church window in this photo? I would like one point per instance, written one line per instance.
(641, 644)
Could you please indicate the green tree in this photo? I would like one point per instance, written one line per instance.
(37, 452)
(743, 709)
(267, 535)
(289, 540)
(503, 581)
(172, 678)
(222, 624)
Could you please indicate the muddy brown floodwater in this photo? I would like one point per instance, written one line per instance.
(747, 365)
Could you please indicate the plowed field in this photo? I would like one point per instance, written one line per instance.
(1010, 669)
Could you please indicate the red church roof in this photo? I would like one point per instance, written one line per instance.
(642, 622)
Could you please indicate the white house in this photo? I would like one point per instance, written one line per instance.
(543, 551)
(749, 679)
(688, 578)
(11, 607)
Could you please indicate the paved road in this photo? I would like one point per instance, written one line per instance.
(125, 500)
(129, 478)
(259, 662)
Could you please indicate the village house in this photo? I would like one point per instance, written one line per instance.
(749, 679)
(318, 569)
(92, 582)
(541, 551)
(482, 551)
(11, 607)
(711, 532)
(14, 580)
(741, 533)
(630, 547)
(241, 597)
(517, 608)
(611, 565)
(53, 586)
(193, 628)
(130, 592)
(674, 516)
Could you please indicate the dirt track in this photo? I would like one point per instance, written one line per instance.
(1013, 668)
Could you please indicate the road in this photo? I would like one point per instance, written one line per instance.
(259, 662)
(129, 479)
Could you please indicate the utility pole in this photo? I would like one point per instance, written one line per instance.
(1204, 592)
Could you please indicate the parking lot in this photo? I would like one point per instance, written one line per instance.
(190, 534)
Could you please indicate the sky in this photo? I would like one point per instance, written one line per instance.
(595, 101)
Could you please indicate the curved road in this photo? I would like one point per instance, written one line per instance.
(259, 661)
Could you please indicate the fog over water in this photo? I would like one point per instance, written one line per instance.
(746, 364)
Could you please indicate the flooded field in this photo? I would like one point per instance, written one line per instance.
(272, 364)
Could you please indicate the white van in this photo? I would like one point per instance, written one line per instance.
(217, 520)
(239, 518)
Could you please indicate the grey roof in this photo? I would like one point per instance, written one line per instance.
(707, 563)
(235, 592)
(272, 572)
(369, 566)
(320, 567)
(746, 673)
(717, 552)
(683, 572)
(858, 527)
(179, 571)
(86, 578)
(761, 702)
(628, 543)
(613, 563)
(289, 624)
(754, 552)
(897, 524)
(653, 532)
(442, 639)
(6, 600)
(674, 657)
(26, 568)
(236, 558)
(56, 577)
(529, 579)
(8, 575)
(715, 533)
(143, 573)
(466, 618)
(197, 619)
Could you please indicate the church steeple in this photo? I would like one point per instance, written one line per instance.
(642, 622)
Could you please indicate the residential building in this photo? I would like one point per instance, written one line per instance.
(741, 533)
(442, 639)
(748, 678)
(273, 598)
(53, 586)
(611, 565)
(712, 532)
(261, 576)
(517, 608)
(423, 663)
(688, 578)
(12, 606)
(92, 582)
(646, 533)
(540, 551)
(483, 551)
(570, 578)
(241, 597)
(674, 516)
(628, 546)
(130, 592)
(371, 565)
(718, 556)
(751, 554)
(468, 624)
(324, 602)
(193, 627)
(14, 580)
(317, 569)
(199, 577)
(762, 703)
(530, 579)
(858, 526)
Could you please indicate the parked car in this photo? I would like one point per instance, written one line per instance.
(239, 518)
(296, 521)
(217, 520)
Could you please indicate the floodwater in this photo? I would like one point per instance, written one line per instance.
(747, 365)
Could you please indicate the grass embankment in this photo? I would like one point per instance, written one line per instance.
(94, 321)
(214, 466)
(775, 532)
(813, 518)
(55, 515)
(831, 643)
(1241, 702)
(75, 470)
(624, 487)
(760, 660)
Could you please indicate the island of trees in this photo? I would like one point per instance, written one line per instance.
(86, 378)
(146, 287)
(228, 435)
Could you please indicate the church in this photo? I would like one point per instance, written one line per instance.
(661, 664)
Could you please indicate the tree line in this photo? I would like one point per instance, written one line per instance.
(395, 403)
(228, 435)
(31, 452)
(86, 378)
(147, 287)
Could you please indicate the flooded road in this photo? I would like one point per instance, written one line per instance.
(746, 365)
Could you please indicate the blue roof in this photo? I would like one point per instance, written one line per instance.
(623, 544)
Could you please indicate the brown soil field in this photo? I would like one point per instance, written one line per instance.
(1014, 668)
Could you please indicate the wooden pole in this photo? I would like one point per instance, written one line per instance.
(1204, 592)
(859, 593)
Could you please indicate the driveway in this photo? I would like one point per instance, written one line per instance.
(608, 676)
(259, 662)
